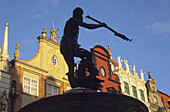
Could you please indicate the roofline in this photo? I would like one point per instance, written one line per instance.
(163, 93)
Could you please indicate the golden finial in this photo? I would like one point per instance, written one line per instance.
(53, 33)
(17, 53)
(44, 32)
(109, 50)
(6, 24)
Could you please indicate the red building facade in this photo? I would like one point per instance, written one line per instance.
(101, 59)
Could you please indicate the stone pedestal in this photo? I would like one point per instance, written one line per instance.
(85, 100)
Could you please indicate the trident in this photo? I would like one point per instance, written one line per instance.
(115, 33)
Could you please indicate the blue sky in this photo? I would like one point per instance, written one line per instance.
(147, 22)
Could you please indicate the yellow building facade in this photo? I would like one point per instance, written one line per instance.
(41, 76)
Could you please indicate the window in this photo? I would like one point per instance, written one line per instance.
(102, 71)
(126, 87)
(54, 60)
(142, 95)
(30, 86)
(51, 90)
(134, 92)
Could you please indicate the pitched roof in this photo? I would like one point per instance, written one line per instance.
(165, 98)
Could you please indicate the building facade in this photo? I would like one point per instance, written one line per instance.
(131, 84)
(26, 81)
(155, 97)
(4, 73)
(38, 77)
(136, 87)
(102, 61)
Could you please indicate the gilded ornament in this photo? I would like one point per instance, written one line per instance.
(17, 53)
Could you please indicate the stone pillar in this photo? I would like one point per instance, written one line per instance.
(16, 73)
(42, 86)
(62, 88)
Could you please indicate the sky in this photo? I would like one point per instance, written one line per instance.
(146, 22)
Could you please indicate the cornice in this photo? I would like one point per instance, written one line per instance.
(44, 39)
(14, 61)
(54, 79)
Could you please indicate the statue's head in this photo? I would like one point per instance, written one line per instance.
(77, 13)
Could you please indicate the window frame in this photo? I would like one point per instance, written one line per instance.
(52, 90)
(134, 90)
(103, 71)
(142, 96)
(31, 86)
(126, 88)
(54, 60)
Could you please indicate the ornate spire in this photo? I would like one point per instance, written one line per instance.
(150, 78)
(44, 32)
(4, 50)
(110, 52)
(149, 75)
(17, 53)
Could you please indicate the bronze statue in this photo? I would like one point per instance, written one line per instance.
(69, 46)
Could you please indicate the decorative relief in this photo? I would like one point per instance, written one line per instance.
(125, 77)
(54, 59)
(133, 81)
(139, 84)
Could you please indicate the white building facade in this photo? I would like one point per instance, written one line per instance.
(4, 73)
(131, 84)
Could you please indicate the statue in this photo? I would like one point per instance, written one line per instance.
(142, 74)
(119, 62)
(53, 33)
(126, 65)
(134, 70)
(4, 102)
(110, 51)
(70, 48)
(13, 94)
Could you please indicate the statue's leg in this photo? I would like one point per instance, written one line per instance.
(82, 53)
(68, 56)
(70, 62)
(82, 68)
